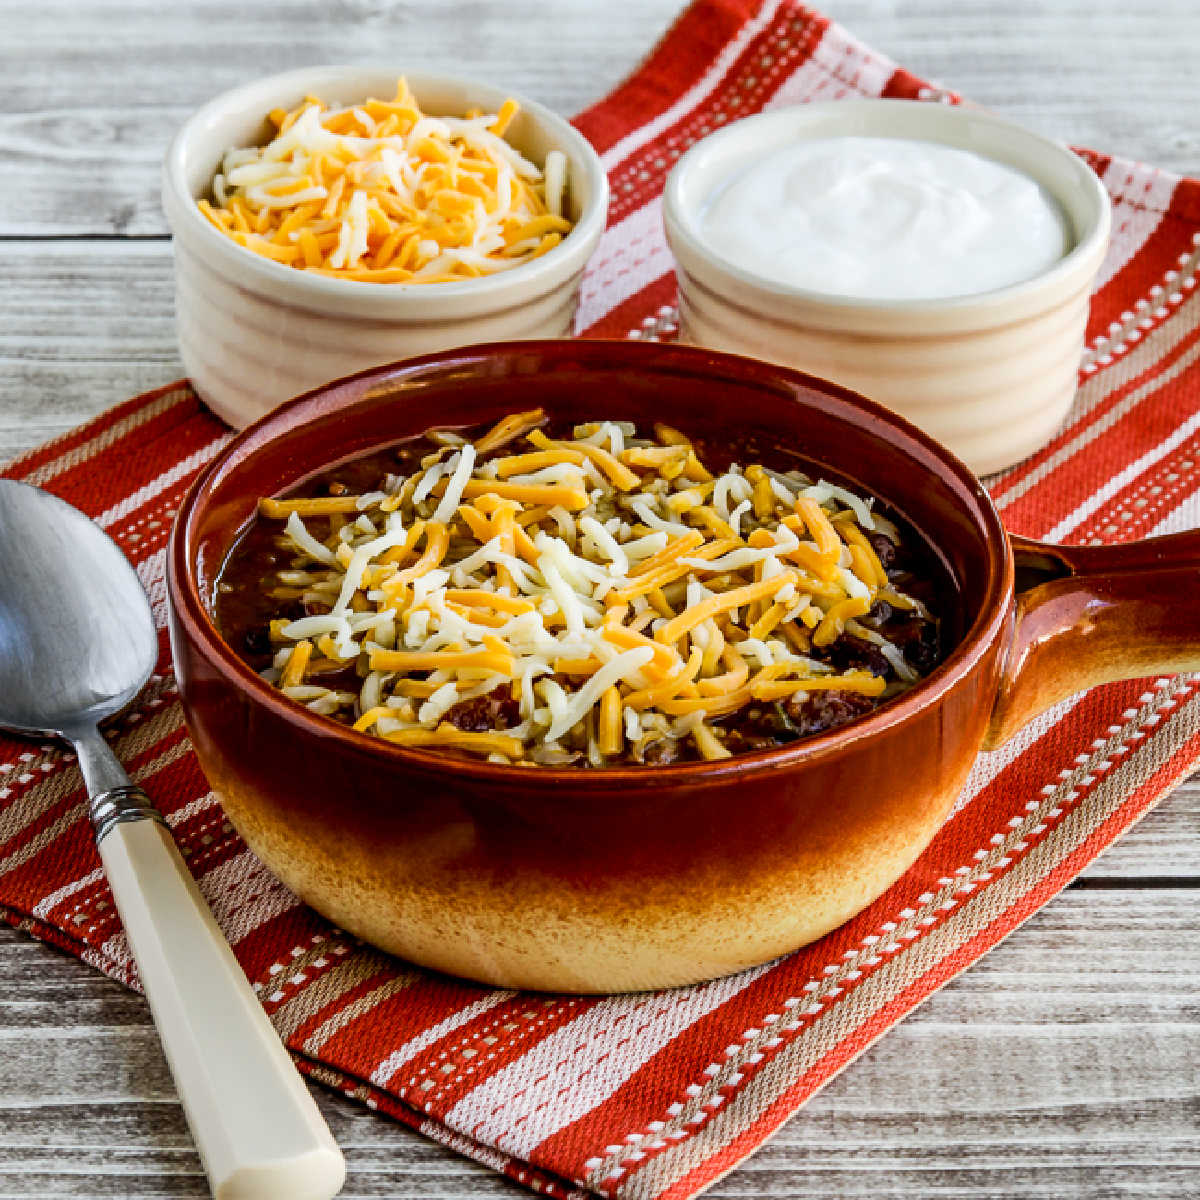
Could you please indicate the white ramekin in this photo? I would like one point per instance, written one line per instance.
(253, 333)
(990, 375)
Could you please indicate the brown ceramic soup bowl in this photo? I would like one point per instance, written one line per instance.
(635, 877)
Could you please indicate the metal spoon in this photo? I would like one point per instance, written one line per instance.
(77, 643)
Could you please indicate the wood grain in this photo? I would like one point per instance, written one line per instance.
(1060, 1066)
(84, 325)
(82, 161)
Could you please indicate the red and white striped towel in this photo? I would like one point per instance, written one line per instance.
(656, 1095)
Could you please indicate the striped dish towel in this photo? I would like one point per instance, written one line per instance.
(656, 1095)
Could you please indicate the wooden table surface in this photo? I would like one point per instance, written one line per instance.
(1063, 1065)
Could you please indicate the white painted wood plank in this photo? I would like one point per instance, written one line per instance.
(83, 326)
(93, 92)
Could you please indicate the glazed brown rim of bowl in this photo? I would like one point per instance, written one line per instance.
(190, 609)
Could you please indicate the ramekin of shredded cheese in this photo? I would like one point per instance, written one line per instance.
(384, 193)
(594, 597)
(333, 219)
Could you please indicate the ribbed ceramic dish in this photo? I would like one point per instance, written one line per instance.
(253, 333)
(992, 375)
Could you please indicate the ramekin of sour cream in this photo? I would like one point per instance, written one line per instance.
(936, 259)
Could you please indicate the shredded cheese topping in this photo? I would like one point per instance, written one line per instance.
(605, 587)
(383, 193)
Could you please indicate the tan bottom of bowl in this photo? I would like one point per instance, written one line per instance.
(525, 930)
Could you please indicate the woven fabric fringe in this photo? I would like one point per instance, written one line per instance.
(656, 1095)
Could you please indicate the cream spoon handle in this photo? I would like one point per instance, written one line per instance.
(257, 1128)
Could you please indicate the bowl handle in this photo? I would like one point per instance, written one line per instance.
(1094, 614)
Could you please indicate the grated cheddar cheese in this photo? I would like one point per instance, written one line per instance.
(381, 192)
(551, 602)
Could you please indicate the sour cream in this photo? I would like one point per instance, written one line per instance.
(885, 219)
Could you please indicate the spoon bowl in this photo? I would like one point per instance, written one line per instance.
(76, 646)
